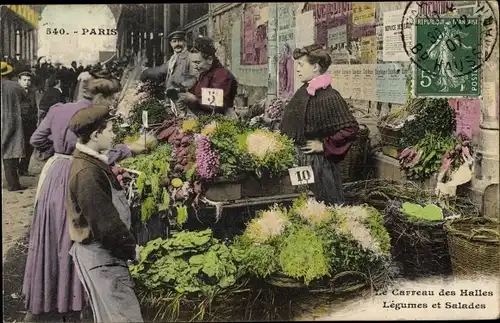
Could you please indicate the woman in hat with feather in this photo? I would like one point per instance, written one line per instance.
(50, 280)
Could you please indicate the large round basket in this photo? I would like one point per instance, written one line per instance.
(353, 167)
(474, 245)
(342, 283)
(419, 247)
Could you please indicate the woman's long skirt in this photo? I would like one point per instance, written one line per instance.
(51, 282)
(327, 185)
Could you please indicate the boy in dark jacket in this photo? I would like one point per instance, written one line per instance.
(99, 221)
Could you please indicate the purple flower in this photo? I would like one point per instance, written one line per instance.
(207, 160)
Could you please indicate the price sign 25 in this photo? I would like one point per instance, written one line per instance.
(301, 175)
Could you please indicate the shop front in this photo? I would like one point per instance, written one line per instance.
(19, 25)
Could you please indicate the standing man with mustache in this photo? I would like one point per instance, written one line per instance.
(179, 73)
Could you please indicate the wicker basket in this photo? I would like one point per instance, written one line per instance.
(345, 282)
(353, 167)
(420, 247)
(474, 245)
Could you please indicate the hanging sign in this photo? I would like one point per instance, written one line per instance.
(301, 175)
(212, 97)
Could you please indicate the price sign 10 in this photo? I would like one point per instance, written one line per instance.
(301, 175)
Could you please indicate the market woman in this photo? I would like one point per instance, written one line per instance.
(212, 75)
(318, 119)
(50, 281)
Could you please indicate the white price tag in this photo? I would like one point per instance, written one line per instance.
(212, 97)
(145, 122)
(301, 175)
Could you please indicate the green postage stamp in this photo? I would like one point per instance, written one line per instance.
(447, 57)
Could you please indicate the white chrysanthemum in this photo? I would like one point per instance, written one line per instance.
(314, 212)
(270, 224)
(354, 218)
(362, 235)
(355, 212)
(261, 143)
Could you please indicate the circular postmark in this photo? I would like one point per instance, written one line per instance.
(446, 41)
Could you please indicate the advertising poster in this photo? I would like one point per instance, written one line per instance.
(286, 44)
(368, 50)
(336, 37)
(356, 81)
(468, 117)
(369, 82)
(393, 50)
(336, 73)
(346, 82)
(363, 19)
(254, 40)
(328, 15)
(363, 12)
(304, 29)
(391, 83)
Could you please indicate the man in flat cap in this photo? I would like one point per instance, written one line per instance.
(178, 73)
(12, 128)
(29, 114)
(99, 221)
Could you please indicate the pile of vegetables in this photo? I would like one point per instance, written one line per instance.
(122, 175)
(426, 137)
(128, 122)
(152, 183)
(201, 151)
(312, 241)
(217, 146)
(429, 116)
(191, 263)
(219, 142)
(454, 157)
(424, 159)
(266, 152)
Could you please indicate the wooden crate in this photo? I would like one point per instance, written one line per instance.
(255, 187)
(224, 190)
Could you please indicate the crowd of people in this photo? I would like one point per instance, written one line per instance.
(80, 238)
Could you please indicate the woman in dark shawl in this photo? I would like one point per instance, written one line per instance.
(318, 119)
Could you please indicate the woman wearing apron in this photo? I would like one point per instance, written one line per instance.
(99, 221)
(50, 281)
(318, 119)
